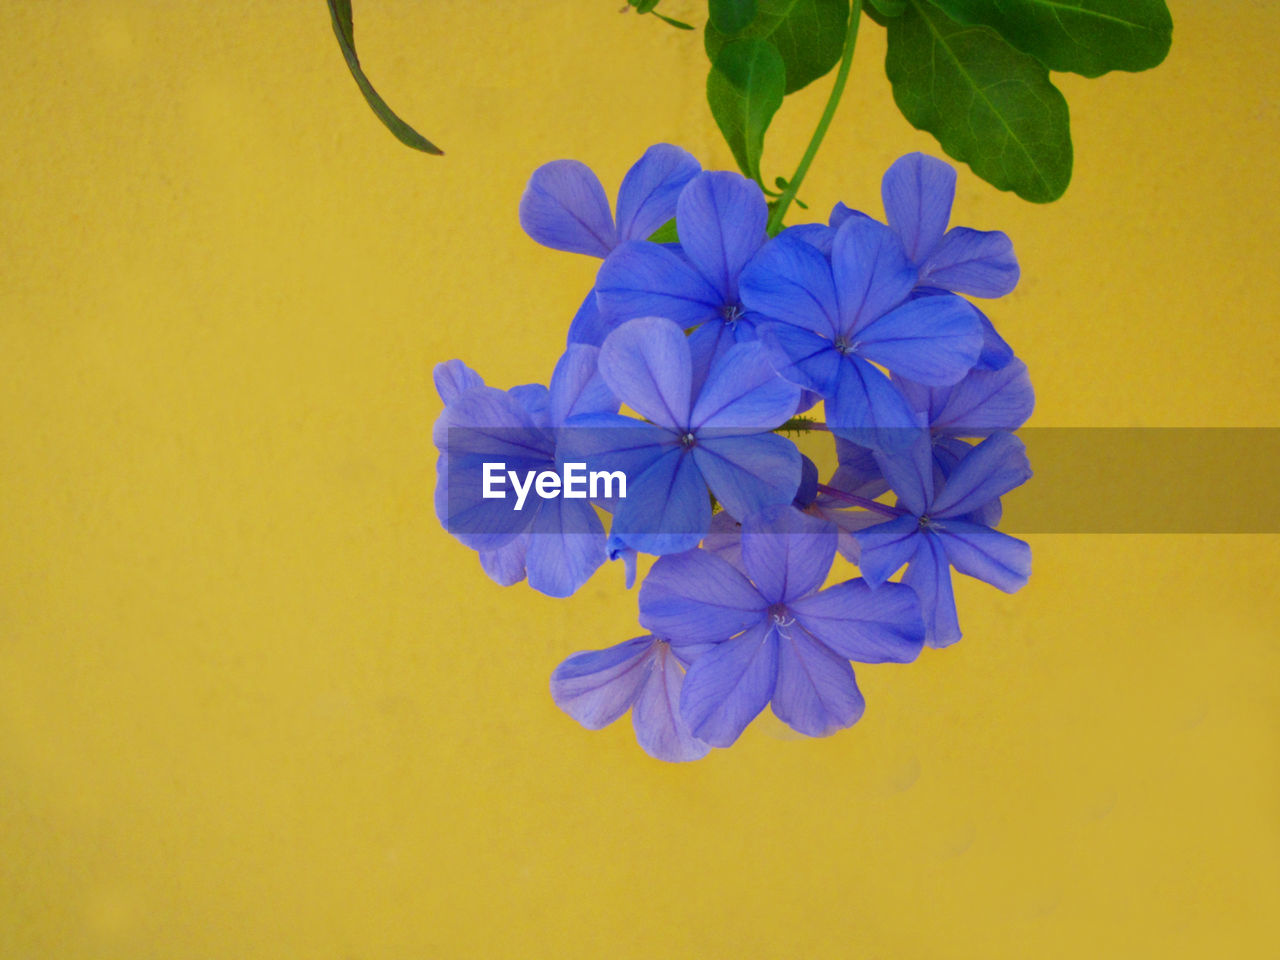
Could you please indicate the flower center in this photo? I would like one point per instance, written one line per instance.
(731, 313)
(781, 618)
(845, 346)
(688, 441)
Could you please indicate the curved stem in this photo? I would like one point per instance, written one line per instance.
(833, 101)
(867, 504)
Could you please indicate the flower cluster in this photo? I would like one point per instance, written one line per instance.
(687, 368)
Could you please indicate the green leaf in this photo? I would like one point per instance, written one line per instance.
(731, 16)
(665, 233)
(745, 89)
(1088, 37)
(643, 6)
(989, 105)
(888, 8)
(672, 21)
(340, 13)
(809, 34)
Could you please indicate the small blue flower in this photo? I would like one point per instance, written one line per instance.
(558, 543)
(645, 676)
(721, 217)
(777, 636)
(716, 435)
(941, 527)
(830, 322)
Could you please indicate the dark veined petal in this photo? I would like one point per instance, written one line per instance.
(885, 547)
(589, 325)
(868, 409)
(646, 364)
(787, 553)
(564, 207)
(642, 279)
(751, 472)
(742, 390)
(859, 623)
(909, 473)
(722, 217)
(698, 597)
(802, 357)
(871, 271)
(454, 378)
(977, 262)
(647, 197)
(790, 281)
(932, 340)
(917, 192)
(596, 687)
(987, 555)
(577, 387)
(992, 469)
(566, 546)
(727, 687)
(667, 509)
(712, 340)
(505, 565)
(857, 471)
(610, 442)
(929, 575)
(986, 401)
(816, 693)
(660, 729)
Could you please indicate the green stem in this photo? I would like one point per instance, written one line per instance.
(833, 101)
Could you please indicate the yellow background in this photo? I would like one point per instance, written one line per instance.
(255, 703)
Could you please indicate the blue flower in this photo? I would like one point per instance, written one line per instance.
(721, 217)
(830, 322)
(941, 527)
(716, 436)
(558, 543)
(564, 207)
(777, 636)
(645, 676)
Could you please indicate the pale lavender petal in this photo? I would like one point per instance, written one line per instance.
(642, 279)
(917, 192)
(577, 387)
(787, 553)
(986, 401)
(660, 729)
(564, 207)
(722, 217)
(647, 197)
(727, 687)
(816, 693)
(724, 539)
(566, 546)
(596, 687)
(454, 378)
(977, 262)
(646, 364)
(697, 597)
(742, 390)
(859, 623)
(505, 566)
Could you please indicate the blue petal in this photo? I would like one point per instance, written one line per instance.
(749, 473)
(996, 352)
(596, 687)
(802, 357)
(816, 693)
(988, 555)
(992, 469)
(667, 509)
(566, 547)
(859, 623)
(612, 442)
(505, 565)
(615, 549)
(842, 212)
(817, 235)
(986, 401)
(722, 218)
(977, 262)
(909, 473)
(647, 197)
(917, 192)
(872, 275)
(698, 597)
(711, 340)
(485, 420)
(641, 279)
(646, 364)
(933, 340)
(564, 207)
(577, 387)
(742, 390)
(589, 325)
(454, 378)
(727, 687)
(536, 400)
(724, 539)
(886, 547)
(857, 471)
(868, 409)
(660, 729)
(790, 280)
(807, 492)
(787, 553)
(929, 575)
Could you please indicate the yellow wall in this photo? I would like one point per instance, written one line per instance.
(255, 703)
